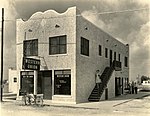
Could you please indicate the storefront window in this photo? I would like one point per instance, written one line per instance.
(27, 81)
(62, 84)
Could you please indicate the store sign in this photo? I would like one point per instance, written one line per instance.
(31, 64)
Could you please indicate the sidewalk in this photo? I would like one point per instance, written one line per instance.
(107, 104)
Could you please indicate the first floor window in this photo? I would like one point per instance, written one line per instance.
(57, 45)
(62, 82)
(126, 82)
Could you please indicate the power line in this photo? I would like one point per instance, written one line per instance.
(96, 13)
(123, 11)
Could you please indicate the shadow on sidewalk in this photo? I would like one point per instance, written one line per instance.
(139, 95)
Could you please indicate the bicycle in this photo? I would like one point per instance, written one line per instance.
(30, 99)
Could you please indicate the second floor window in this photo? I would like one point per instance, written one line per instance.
(57, 45)
(106, 53)
(118, 57)
(100, 50)
(126, 61)
(30, 47)
(84, 46)
(114, 55)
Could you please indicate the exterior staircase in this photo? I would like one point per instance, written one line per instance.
(97, 92)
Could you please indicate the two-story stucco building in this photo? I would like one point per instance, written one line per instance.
(69, 50)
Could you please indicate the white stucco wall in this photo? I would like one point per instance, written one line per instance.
(87, 65)
(12, 85)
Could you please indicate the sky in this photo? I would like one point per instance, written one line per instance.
(132, 27)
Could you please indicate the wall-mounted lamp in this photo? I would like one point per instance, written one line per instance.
(57, 26)
(86, 28)
(30, 30)
(25, 33)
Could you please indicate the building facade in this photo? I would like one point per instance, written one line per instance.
(58, 55)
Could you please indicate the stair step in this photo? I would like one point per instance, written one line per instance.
(94, 100)
(94, 95)
(94, 92)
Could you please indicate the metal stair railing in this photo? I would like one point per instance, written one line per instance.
(108, 75)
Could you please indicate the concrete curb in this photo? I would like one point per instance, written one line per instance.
(71, 107)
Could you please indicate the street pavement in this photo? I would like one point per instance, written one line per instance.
(126, 105)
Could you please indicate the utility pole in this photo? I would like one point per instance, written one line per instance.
(2, 44)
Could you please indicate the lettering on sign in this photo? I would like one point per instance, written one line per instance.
(62, 81)
(30, 63)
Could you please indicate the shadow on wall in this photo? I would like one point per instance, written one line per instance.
(5, 86)
(5, 89)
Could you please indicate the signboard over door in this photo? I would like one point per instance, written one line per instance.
(31, 64)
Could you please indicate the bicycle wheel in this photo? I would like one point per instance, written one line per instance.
(23, 100)
(27, 100)
(39, 101)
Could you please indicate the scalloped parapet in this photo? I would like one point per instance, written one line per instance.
(70, 12)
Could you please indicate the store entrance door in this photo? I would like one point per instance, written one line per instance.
(118, 86)
(46, 80)
(47, 88)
